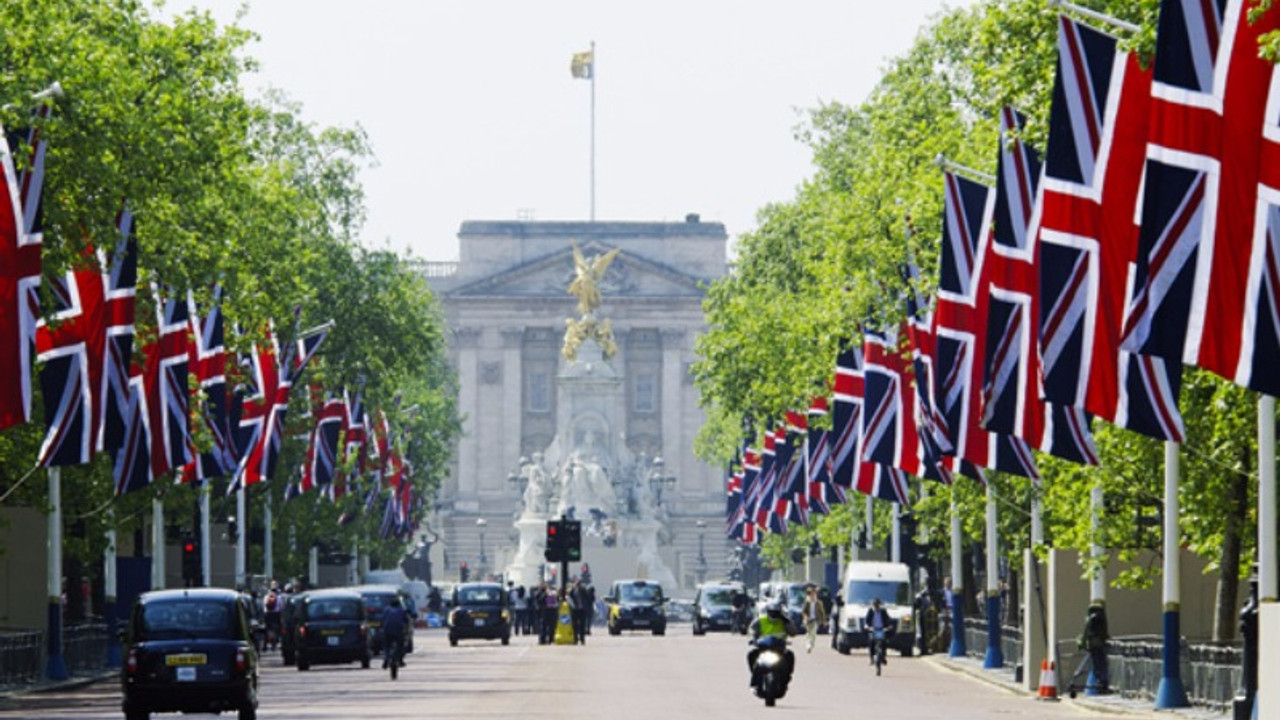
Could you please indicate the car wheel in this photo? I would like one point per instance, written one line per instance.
(506, 639)
(660, 631)
(248, 713)
(137, 715)
(843, 644)
(907, 651)
(303, 663)
(453, 641)
(614, 631)
(365, 662)
(698, 629)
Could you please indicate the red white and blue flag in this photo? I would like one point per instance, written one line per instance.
(1207, 291)
(890, 438)
(20, 267)
(320, 471)
(960, 321)
(1011, 390)
(208, 363)
(822, 493)
(850, 468)
(1098, 128)
(168, 395)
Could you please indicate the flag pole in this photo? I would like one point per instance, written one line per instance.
(55, 664)
(593, 131)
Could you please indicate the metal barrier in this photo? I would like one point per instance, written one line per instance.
(975, 640)
(84, 646)
(21, 656)
(1210, 671)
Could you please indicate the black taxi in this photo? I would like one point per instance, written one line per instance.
(189, 651)
(479, 611)
(331, 629)
(636, 605)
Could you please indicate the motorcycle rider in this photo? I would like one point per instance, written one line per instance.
(395, 624)
(878, 619)
(775, 624)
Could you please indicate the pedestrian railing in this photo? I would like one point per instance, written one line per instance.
(1210, 671)
(84, 646)
(21, 656)
(975, 640)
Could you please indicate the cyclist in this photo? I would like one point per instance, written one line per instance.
(878, 620)
(395, 624)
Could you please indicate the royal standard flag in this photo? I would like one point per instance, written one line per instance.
(583, 65)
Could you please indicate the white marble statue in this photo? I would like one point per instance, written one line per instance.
(538, 490)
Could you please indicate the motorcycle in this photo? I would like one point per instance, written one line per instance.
(770, 675)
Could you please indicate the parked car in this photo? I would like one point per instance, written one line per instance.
(332, 629)
(189, 651)
(713, 607)
(376, 599)
(289, 616)
(479, 610)
(635, 605)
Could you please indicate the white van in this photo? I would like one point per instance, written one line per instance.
(864, 581)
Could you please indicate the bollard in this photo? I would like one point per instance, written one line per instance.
(1242, 706)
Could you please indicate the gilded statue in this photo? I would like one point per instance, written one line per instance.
(586, 286)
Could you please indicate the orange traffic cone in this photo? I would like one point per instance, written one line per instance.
(1048, 682)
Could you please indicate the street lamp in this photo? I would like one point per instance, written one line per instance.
(702, 557)
(481, 523)
(658, 479)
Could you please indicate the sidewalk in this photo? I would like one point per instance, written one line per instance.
(1109, 704)
(71, 683)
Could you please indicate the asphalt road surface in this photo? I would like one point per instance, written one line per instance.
(632, 677)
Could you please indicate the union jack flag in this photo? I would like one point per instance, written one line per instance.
(20, 267)
(743, 525)
(795, 474)
(73, 352)
(354, 450)
(1088, 239)
(321, 468)
(850, 468)
(208, 362)
(131, 461)
(168, 396)
(930, 424)
(818, 462)
(1207, 291)
(890, 437)
(264, 409)
(121, 294)
(1011, 392)
(960, 334)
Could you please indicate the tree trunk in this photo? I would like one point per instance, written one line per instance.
(1226, 610)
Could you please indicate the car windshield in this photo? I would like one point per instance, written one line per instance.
(717, 597)
(480, 596)
(333, 610)
(795, 595)
(188, 618)
(640, 593)
(890, 592)
(375, 603)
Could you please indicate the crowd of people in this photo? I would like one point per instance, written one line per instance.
(536, 611)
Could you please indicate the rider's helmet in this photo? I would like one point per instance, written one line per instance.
(395, 601)
(288, 587)
(774, 608)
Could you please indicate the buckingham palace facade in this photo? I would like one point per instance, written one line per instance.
(505, 303)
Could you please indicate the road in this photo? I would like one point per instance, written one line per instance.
(631, 677)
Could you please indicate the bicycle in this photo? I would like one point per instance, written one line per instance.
(395, 656)
(877, 649)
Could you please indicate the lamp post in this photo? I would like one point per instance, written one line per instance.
(484, 560)
(702, 557)
(658, 479)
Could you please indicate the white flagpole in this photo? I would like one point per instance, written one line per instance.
(157, 544)
(1267, 702)
(242, 530)
(206, 552)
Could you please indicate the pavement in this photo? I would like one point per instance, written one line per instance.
(71, 683)
(1114, 704)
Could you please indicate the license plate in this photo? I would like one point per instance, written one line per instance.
(375, 624)
(327, 633)
(480, 614)
(186, 674)
(186, 659)
(334, 639)
(479, 622)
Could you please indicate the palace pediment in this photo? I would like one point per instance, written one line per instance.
(629, 275)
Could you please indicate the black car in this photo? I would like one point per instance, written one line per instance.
(713, 607)
(331, 629)
(376, 599)
(479, 611)
(635, 605)
(189, 651)
(289, 627)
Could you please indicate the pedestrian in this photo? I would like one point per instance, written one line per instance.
(550, 607)
(589, 591)
(578, 605)
(1093, 640)
(814, 614)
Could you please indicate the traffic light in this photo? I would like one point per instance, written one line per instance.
(571, 539)
(464, 572)
(554, 551)
(191, 570)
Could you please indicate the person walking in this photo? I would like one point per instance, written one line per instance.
(1093, 640)
(814, 614)
(578, 604)
(550, 608)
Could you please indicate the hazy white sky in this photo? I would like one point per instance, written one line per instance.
(473, 114)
